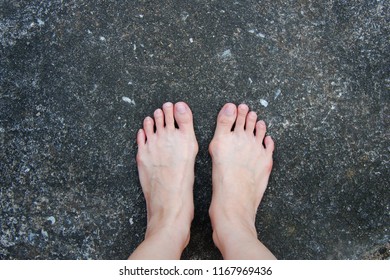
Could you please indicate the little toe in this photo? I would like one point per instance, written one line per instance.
(168, 115)
(269, 144)
(148, 127)
(251, 122)
(243, 110)
(226, 118)
(141, 138)
(159, 119)
(183, 116)
(260, 131)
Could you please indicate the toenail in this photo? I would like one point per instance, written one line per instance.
(252, 115)
(167, 104)
(158, 112)
(181, 108)
(229, 110)
(243, 106)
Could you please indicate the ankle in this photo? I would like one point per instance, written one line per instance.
(231, 228)
(178, 230)
(230, 238)
(224, 215)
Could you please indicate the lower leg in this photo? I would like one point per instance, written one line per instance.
(158, 243)
(237, 239)
(241, 168)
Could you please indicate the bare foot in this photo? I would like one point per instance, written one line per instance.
(241, 168)
(166, 159)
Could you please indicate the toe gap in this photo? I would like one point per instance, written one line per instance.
(233, 127)
(263, 142)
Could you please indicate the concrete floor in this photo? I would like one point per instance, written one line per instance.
(78, 77)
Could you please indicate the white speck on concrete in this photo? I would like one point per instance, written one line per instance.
(130, 83)
(134, 46)
(40, 22)
(250, 80)
(226, 54)
(277, 93)
(191, 40)
(101, 38)
(95, 86)
(285, 124)
(332, 107)
(264, 102)
(128, 100)
(51, 219)
(131, 221)
(141, 16)
(31, 236)
(184, 16)
(44, 234)
(260, 35)
(89, 31)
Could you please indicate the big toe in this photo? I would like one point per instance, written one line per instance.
(226, 118)
(183, 116)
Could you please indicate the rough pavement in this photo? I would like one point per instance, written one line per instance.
(78, 77)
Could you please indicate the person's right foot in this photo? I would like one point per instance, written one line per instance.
(166, 160)
(242, 163)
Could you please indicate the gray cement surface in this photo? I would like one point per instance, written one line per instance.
(78, 77)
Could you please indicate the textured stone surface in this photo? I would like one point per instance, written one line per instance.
(78, 77)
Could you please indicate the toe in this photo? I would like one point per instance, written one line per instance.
(226, 119)
(159, 119)
(168, 115)
(148, 127)
(183, 116)
(260, 131)
(269, 144)
(141, 138)
(241, 116)
(251, 122)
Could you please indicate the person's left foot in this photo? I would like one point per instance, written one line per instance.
(241, 168)
(166, 160)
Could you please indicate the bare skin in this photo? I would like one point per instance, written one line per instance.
(166, 160)
(241, 168)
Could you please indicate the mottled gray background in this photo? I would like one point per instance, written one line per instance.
(78, 77)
